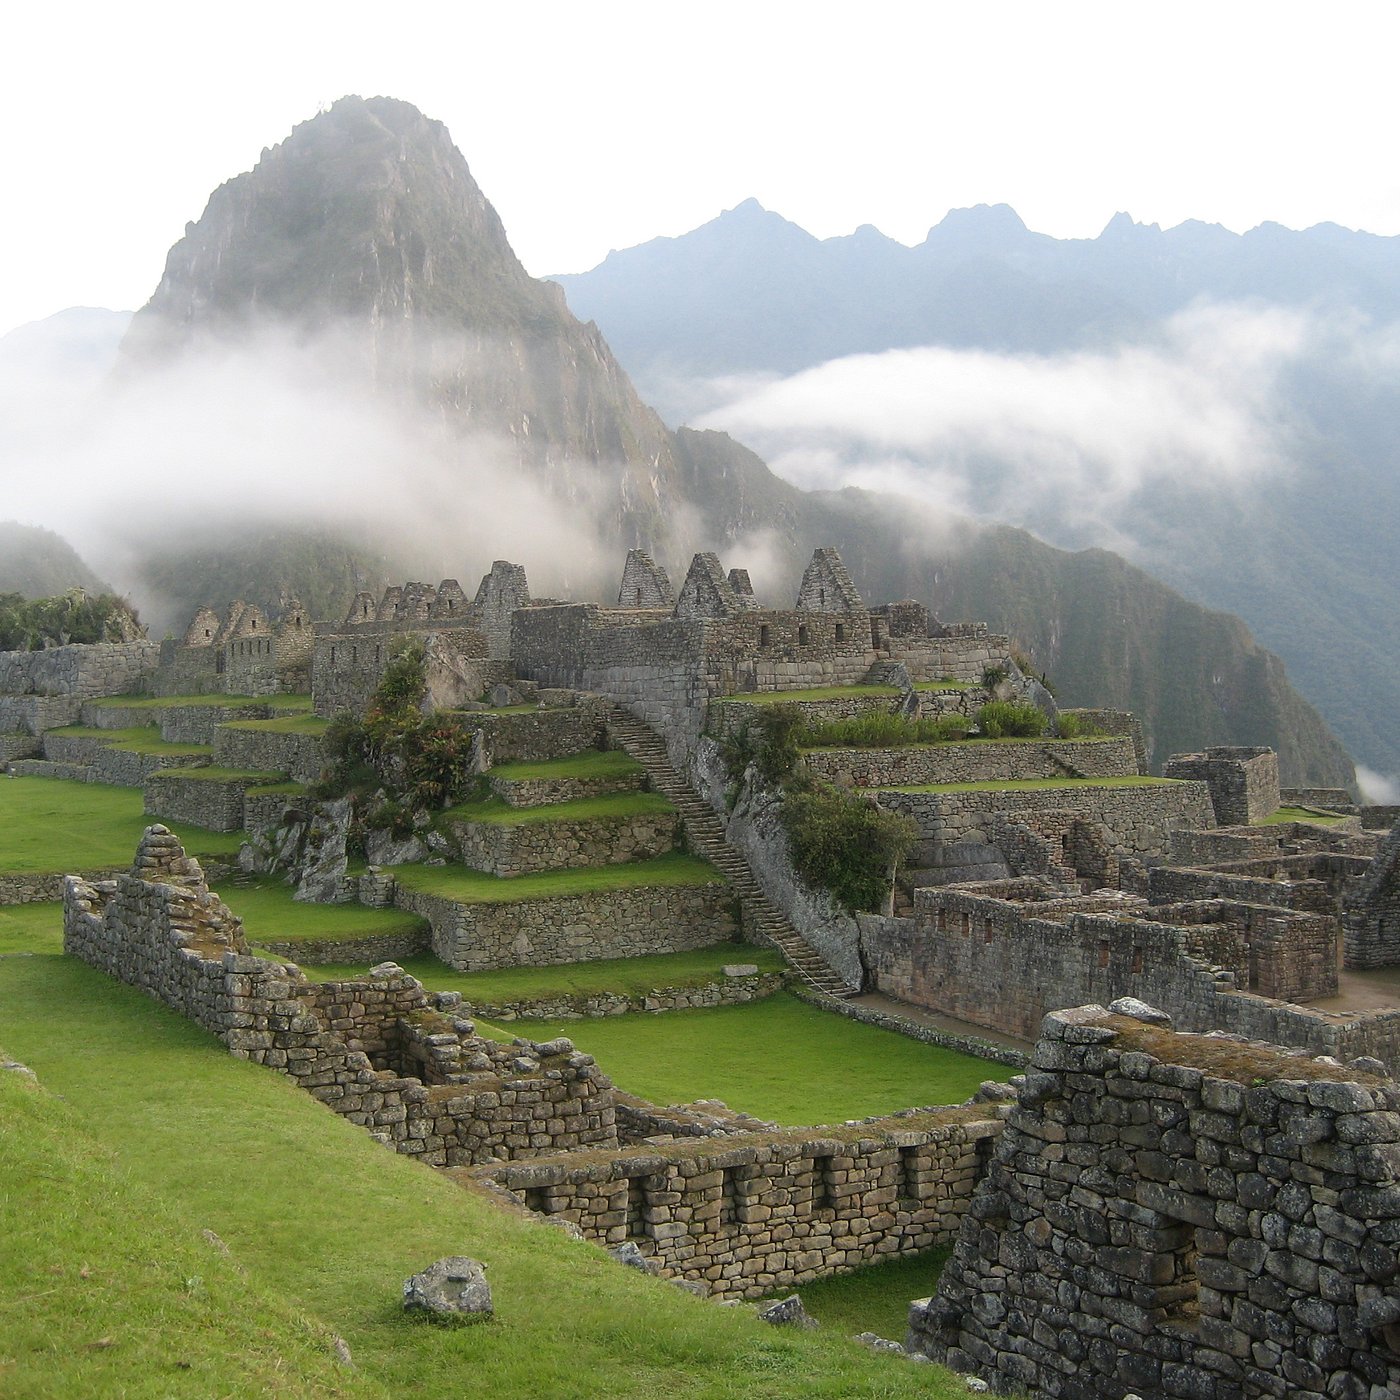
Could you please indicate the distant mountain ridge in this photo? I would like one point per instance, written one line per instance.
(366, 222)
(36, 563)
(1301, 552)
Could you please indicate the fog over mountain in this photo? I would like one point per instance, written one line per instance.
(345, 376)
(1222, 409)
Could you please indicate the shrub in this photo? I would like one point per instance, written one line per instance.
(1007, 719)
(1076, 727)
(882, 731)
(769, 741)
(845, 843)
(993, 676)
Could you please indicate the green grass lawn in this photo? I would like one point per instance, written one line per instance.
(597, 763)
(143, 738)
(830, 692)
(943, 685)
(284, 724)
(269, 911)
(778, 1058)
(876, 1298)
(31, 928)
(53, 825)
(108, 1288)
(613, 806)
(473, 887)
(167, 702)
(1032, 784)
(1301, 814)
(622, 975)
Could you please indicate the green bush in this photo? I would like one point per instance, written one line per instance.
(31, 624)
(1009, 719)
(882, 731)
(769, 741)
(993, 676)
(845, 843)
(1076, 727)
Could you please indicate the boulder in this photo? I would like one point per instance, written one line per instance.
(788, 1312)
(452, 1290)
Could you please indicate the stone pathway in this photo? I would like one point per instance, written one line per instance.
(705, 833)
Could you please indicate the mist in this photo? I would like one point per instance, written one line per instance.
(276, 431)
(1068, 444)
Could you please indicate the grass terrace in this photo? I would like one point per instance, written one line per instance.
(112, 1284)
(616, 806)
(144, 738)
(166, 702)
(947, 683)
(472, 887)
(31, 928)
(1317, 815)
(624, 976)
(268, 910)
(52, 825)
(778, 1058)
(597, 763)
(830, 692)
(212, 774)
(876, 1298)
(1033, 784)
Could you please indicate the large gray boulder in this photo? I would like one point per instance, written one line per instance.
(452, 1290)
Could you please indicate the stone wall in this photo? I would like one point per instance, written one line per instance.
(1371, 910)
(544, 792)
(347, 952)
(33, 714)
(188, 670)
(726, 991)
(1000, 957)
(623, 923)
(1243, 782)
(974, 761)
(243, 745)
(381, 1051)
(729, 717)
(105, 763)
(1121, 723)
(955, 655)
(534, 736)
(748, 1214)
(1179, 1216)
(1138, 820)
(82, 672)
(216, 804)
(178, 724)
(509, 849)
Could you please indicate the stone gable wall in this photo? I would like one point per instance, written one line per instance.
(158, 927)
(751, 1213)
(1179, 1217)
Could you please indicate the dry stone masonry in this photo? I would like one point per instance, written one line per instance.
(1179, 1216)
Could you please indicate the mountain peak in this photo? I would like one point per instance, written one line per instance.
(980, 228)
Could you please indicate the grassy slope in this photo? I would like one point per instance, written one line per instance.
(31, 928)
(324, 1223)
(472, 887)
(598, 763)
(143, 738)
(778, 1058)
(284, 724)
(615, 807)
(604, 975)
(876, 1298)
(51, 825)
(269, 911)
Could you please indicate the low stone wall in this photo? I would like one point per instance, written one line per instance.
(1137, 820)
(746, 1215)
(80, 671)
(300, 756)
(623, 923)
(33, 714)
(974, 761)
(44, 768)
(1329, 799)
(106, 764)
(1243, 782)
(347, 952)
(379, 1051)
(177, 724)
(1179, 1216)
(544, 792)
(507, 849)
(535, 736)
(266, 809)
(19, 745)
(216, 804)
(728, 991)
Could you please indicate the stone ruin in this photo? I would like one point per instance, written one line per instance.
(1180, 1216)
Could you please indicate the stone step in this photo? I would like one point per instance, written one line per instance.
(706, 836)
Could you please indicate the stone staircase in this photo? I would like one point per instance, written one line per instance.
(705, 834)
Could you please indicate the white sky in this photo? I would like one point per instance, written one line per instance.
(598, 125)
